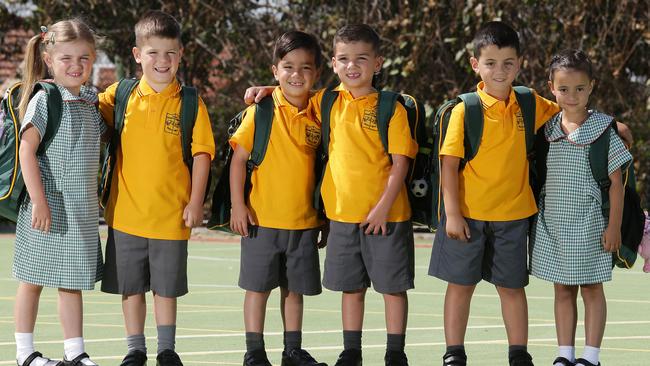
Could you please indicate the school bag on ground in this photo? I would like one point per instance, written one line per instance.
(473, 128)
(189, 111)
(418, 179)
(633, 221)
(221, 204)
(12, 186)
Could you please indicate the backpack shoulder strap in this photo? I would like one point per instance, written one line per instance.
(54, 113)
(473, 123)
(189, 111)
(124, 89)
(263, 122)
(385, 110)
(326, 104)
(526, 101)
(598, 161)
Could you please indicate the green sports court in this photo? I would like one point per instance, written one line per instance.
(211, 330)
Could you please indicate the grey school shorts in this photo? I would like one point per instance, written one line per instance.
(135, 265)
(496, 252)
(277, 257)
(355, 260)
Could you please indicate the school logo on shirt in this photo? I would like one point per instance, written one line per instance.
(173, 124)
(312, 136)
(520, 121)
(370, 119)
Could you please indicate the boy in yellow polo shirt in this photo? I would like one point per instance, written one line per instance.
(483, 232)
(371, 236)
(154, 200)
(279, 248)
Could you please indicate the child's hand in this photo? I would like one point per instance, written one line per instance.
(457, 228)
(375, 222)
(193, 215)
(41, 217)
(256, 93)
(611, 239)
(324, 232)
(240, 217)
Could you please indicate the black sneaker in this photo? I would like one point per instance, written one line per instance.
(168, 358)
(299, 357)
(256, 358)
(77, 360)
(454, 358)
(520, 358)
(584, 362)
(563, 361)
(349, 357)
(134, 358)
(396, 358)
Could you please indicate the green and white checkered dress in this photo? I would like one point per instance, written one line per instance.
(70, 255)
(567, 235)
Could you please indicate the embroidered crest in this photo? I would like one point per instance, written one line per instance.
(370, 119)
(173, 124)
(312, 136)
(520, 120)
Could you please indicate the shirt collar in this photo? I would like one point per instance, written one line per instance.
(487, 100)
(281, 101)
(171, 90)
(594, 126)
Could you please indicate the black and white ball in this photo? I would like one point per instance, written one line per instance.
(419, 188)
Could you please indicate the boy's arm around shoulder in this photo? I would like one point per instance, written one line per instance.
(544, 110)
(107, 103)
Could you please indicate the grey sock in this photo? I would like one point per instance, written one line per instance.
(292, 340)
(166, 337)
(352, 339)
(395, 342)
(254, 341)
(136, 342)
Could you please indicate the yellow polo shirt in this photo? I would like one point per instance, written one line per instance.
(358, 167)
(151, 184)
(282, 187)
(494, 185)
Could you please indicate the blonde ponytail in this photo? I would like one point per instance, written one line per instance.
(33, 71)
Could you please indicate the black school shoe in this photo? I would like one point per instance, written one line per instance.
(77, 360)
(256, 358)
(134, 358)
(349, 357)
(584, 362)
(454, 358)
(563, 361)
(35, 355)
(299, 357)
(520, 358)
(168, 358)
(396, 358)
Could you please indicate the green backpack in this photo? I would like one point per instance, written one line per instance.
(418, 179)
(12, 186)
(221, 204)
(633, 220)
(473, 126)
(189, 111)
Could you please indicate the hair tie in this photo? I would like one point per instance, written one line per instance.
(43, 32)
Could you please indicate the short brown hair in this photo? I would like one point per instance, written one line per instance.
(358, 33)
(294, 40)
(156, 23)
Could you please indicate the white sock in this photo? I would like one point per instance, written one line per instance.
(24, 346)
(73, 347)
(591, 354)
(568, 352)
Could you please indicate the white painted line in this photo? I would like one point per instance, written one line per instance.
(215, 259)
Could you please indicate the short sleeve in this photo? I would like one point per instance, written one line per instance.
(618, 153)
(202, 137)
(36, 114)
(454, 144)
(400, 140)
(315, 100)
(544, 110)
(246, 132)
(107, 104)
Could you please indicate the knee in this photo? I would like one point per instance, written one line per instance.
(505, 292)
(566, 293)
(593, 291)
(31, 289)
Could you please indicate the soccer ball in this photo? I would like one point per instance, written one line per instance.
(419, 188)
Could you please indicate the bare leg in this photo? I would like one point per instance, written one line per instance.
(291, 308)
(255, 310)
(456, 314)
(71, 313)
(396, 310)
(566, 314)
(514, 309)
(134, 308)
(352, 308)
(595, 313)
(26, 307)
(164, 309)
